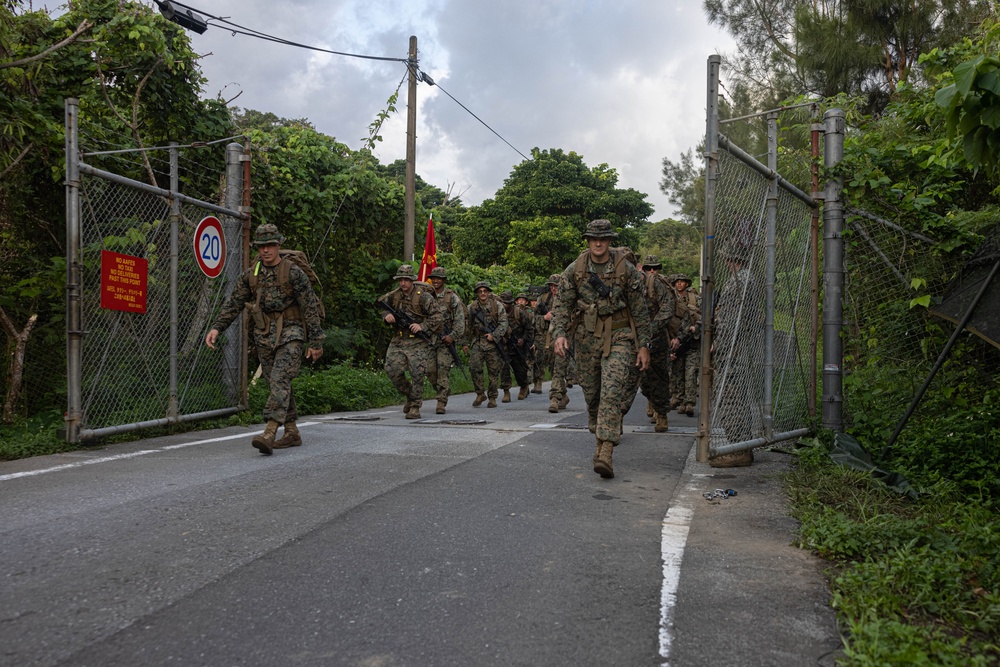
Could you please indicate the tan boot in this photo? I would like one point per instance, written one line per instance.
(603, 465)
(661, 423)
(479, 400)
(563, 402)
(689, 410)
(265, 441)
(652, 420)
(492, 403)
(538, 387)
(597, 452)
(407, 405)
(734, 460)
(506, 396)
(553, 404)
(649, 408)
(440, 408)
(523, 394)
(290, 438)
(414, 412)
(592, 424)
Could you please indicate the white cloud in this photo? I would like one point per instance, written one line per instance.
(620, 82)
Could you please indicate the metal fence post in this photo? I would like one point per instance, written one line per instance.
(175, 216)
(708, 251)
(833, 274)
(771, 224)
(237, 353)
(74, 325)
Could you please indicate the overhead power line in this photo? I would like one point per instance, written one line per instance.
(196, 22)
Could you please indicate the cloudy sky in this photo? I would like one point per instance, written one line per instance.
(620, 82)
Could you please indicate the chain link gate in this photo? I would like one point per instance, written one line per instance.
(758, 363)
(133, 370)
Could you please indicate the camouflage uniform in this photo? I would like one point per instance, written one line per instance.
(453, 315)
(291, 315)
(484, 351)
(684, 370)
(738, 339)
(543, 337)
(655, 381)
(606, 346)
(519, 327)
(408, 351)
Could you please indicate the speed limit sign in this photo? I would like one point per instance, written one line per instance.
(210, 246)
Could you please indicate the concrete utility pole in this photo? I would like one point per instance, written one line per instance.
(411, 154)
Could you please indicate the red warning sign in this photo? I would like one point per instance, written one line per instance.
(123, 282)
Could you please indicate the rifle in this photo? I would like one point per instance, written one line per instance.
(487, 329)
(453, 350)
(687, 341)
(403, 321)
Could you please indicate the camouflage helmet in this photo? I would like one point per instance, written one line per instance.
(553, 279)
(267, 233)
(506, 296)
(600, 229)
(651, 262)
(680, 276)
(405, 271)
(482, 283)
(439, 272)
(523, 295)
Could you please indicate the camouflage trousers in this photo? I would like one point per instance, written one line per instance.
(439, 373)
(280, 365)
(485, 353)
(606, 380)
(543, 361)
(516, 364)
(655, 381)
(560, 370)
(684, 374)
(741, 406)
(412, 354)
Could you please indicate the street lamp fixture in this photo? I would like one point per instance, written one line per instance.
(182, 17)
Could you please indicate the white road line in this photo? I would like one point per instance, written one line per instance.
(673, 539)
(130, 455)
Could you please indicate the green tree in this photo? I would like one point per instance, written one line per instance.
(677, 244)
(553, 185)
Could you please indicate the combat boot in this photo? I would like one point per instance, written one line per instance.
(523, 394)
(603, 465)
(538, 387)
(440, 408)
(649, 408)
(290, 438)
(506, 396)
(689, 410)
(592, 424)
(597, 453)
(479, 400)
(414, 412)
(734, 460)
(564, 401)
(407, 406)
(265, 441)
(492, 402)
(553, 404)
(661, 423)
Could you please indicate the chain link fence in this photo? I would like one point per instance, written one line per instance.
(129, 370)
(759, 243)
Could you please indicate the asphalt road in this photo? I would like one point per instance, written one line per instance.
(389, 542)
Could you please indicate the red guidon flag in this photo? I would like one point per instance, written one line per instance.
(429, 260)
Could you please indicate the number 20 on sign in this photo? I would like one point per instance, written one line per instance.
(210, 246)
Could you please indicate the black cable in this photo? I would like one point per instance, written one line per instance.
(250, 32)
(424, 77)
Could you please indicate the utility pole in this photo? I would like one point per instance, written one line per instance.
(411, 154)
